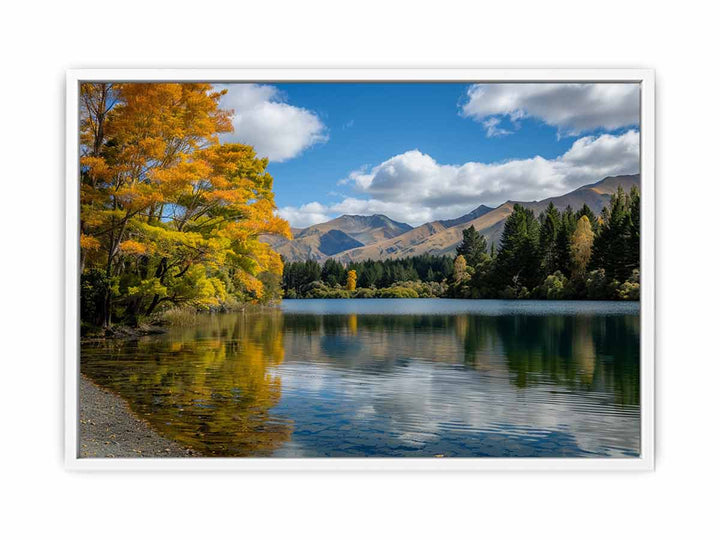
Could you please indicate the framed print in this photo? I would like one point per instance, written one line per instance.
(360, 269)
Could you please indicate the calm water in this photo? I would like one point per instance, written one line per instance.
(393, 377)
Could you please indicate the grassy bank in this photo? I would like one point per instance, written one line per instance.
(176, 316)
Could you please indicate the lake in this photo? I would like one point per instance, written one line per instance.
(389, 378)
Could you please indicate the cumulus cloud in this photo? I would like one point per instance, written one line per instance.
(305, 215)
(263, 119)
(414, 188)
(572, 108)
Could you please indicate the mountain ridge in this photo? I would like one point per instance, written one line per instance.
(442, 236)
(478, 212)
(340, 234)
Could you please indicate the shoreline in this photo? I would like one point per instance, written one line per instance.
(120, 331)
(160, 325)
(109, 429)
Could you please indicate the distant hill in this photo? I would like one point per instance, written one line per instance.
(338, 235)
(436, 239)
(356, 238)
(335, 241)
(364, 229)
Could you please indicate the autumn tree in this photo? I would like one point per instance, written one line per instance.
(169, 215)
(460, 285)
(581, 245)
(460, 273)
(351, 280)
(585, 210)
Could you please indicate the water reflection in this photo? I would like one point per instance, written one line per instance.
(337, 381)
(209, 387)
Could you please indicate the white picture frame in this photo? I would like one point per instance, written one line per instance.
(646, 459)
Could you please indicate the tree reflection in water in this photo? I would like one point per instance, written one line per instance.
(209, 387)
(215, 387)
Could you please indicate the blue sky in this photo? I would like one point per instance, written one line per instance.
(423, 151)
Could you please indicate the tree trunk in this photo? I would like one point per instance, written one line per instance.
(153, 305)
(160, 274)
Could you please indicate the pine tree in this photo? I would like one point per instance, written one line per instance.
(617, 246)
(473, 246)
(633, 251)
(549, 253)
(568, 223)
(311, 272)
(518, 260)
(333, 273)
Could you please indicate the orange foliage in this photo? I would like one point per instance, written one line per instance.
(159, 194)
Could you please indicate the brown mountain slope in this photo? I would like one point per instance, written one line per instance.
(479, 211)
(594, 195)
(338, 235)
(435, 239)
(364, 229)
(394, 247)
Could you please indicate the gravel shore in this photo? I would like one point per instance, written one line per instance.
(109, 429)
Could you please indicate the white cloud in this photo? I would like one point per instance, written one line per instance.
(276, 129)
(305, 215)
(572, 108)
(414, 188)
(492, 128)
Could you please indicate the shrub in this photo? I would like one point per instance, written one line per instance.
(508, 293)
(290, 294)
(313, 290)
(364, 292)
(233, 303)
(318, 289)
(555, 287)
(597, 285)
(335, 293)
(630, 290)
(397, 292)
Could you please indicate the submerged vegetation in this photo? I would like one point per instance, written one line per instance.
(169, 216)
(555, 256)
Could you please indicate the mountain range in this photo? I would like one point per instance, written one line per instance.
(351, 238)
